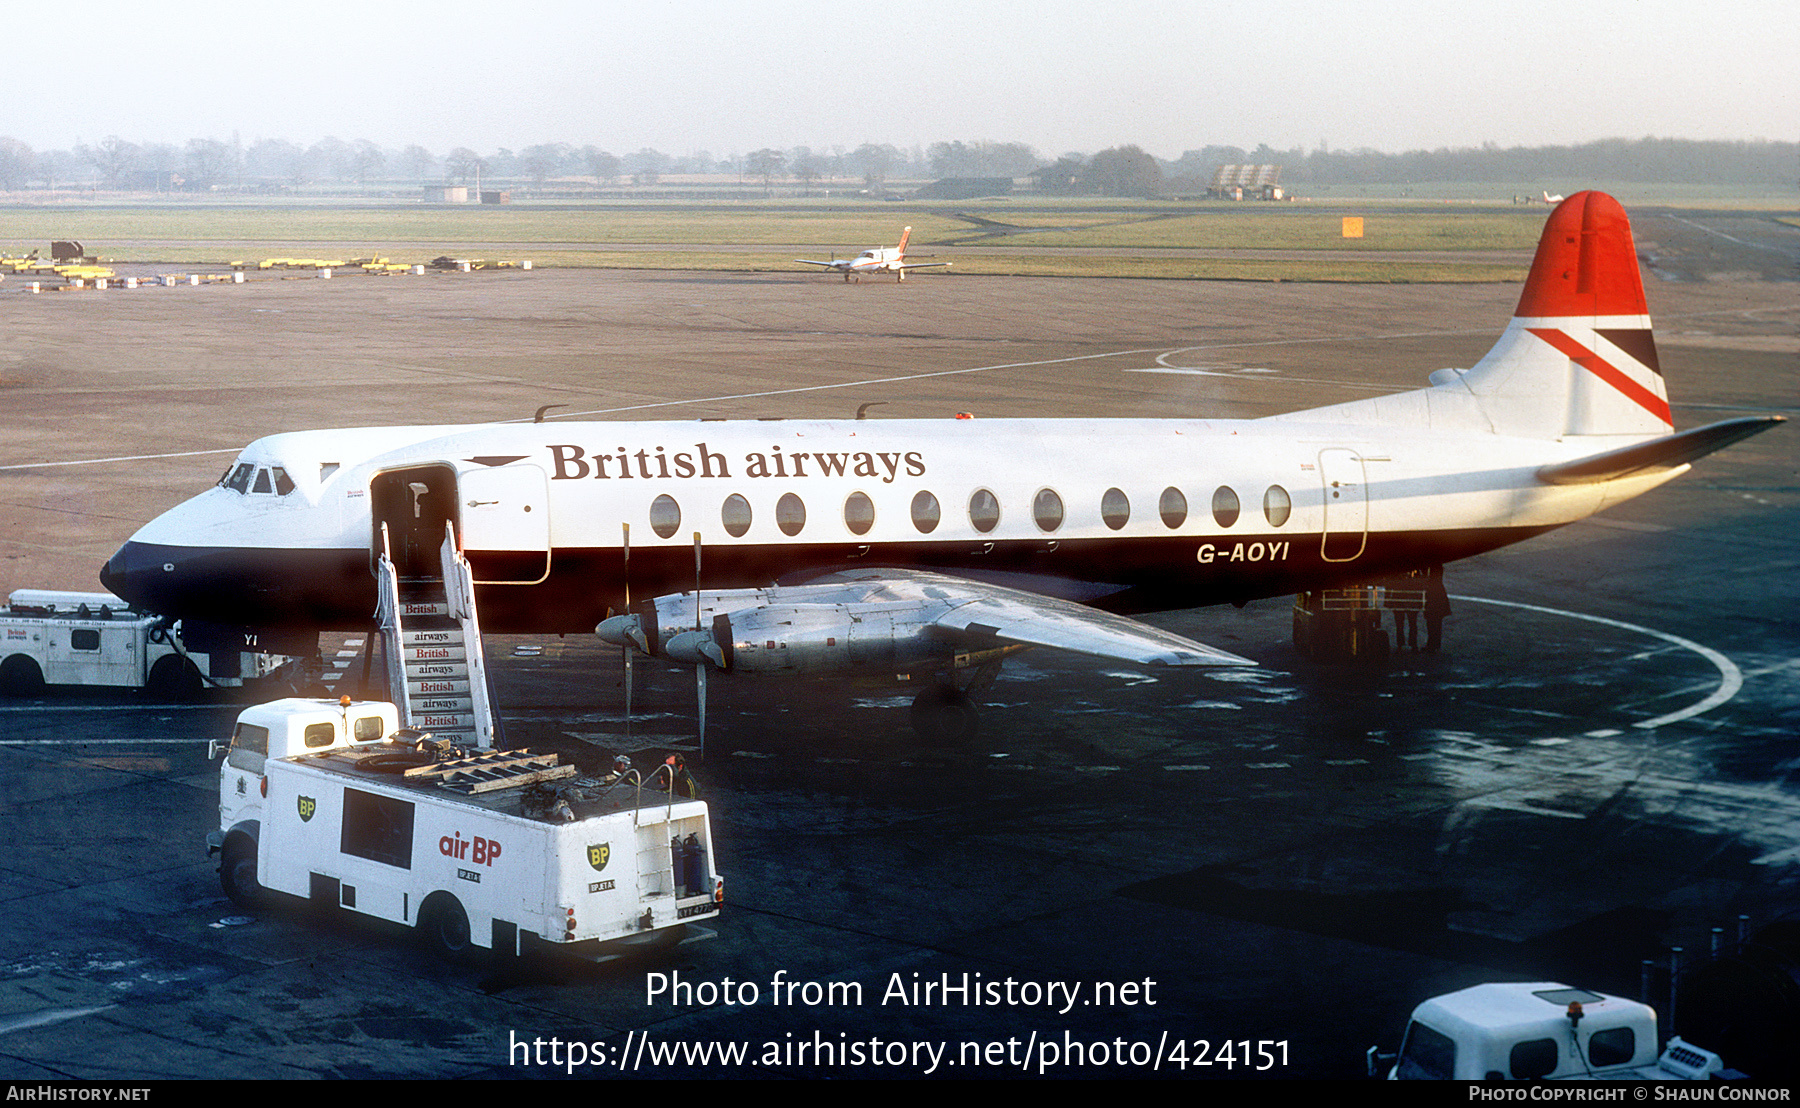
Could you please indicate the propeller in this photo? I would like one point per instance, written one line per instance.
(700, 665)
(626, 651)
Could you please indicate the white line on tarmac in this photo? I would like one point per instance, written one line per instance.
(1731, 679)
(121, 458)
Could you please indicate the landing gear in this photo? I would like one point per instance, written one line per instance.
(945, 715)
(1335, 625)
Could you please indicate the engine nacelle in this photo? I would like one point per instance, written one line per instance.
(825, 638)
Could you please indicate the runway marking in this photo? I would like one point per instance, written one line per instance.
(47, 1017)
(1731, 679)
(122, 458)
(847, 384)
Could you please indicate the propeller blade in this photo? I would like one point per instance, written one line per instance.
(700, 697)
(625, 651)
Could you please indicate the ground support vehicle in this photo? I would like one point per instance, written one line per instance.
(95, 639)
(476, 850)
(1541, 1031)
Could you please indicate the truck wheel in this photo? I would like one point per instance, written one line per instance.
(173, 678)
(237, 873)
(20, 676)
(444, 927)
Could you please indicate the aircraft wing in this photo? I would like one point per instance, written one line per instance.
(827, 265)
(978, 614)
(919, 265)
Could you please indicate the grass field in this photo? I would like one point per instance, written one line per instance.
(1086, 238)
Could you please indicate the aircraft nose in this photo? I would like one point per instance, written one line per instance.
(139, 575)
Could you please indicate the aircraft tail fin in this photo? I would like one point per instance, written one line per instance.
(1578, 357)
(904, 235)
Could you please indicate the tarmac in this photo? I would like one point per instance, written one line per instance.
(1250, 873)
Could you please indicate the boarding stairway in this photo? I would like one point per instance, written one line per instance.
(431, 641)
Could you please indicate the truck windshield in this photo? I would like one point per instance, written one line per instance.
(1427, 1055)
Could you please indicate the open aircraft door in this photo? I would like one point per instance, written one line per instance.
(506, 524)
(1346, 523)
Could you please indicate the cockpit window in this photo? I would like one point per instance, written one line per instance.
(262, 482)
(239, 480)
(283, 483)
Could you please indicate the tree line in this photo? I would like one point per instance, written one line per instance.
(207, 164)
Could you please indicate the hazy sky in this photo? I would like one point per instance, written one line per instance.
(729, 76)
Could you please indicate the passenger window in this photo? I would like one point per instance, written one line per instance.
(283, 483)
(1276, 506)
(319, 734)
(1047, 510)
(367, 729)
(84, 638)
(984, 511)
(1115, 508)
(665, 516)
(925, 512)
(735, 515)
(1173, 507)
(790, 514)
(859, 513)
(262, 482)
(1225, 506)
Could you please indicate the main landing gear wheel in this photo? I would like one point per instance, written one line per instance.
(174, 678)
(944, 715)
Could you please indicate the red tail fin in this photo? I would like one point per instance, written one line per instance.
(1586, 263)
(904, 235)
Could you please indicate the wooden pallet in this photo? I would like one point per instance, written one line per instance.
(483, 773)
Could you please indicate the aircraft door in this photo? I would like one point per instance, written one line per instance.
(415, 503)
(1346, 522)
(506, 524)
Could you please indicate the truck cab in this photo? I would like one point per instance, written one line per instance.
(1541, 1031)
(280, 729)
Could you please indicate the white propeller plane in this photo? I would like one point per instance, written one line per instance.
(932, 548)
(876, 259)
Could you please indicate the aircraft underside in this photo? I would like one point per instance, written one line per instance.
(313, 590)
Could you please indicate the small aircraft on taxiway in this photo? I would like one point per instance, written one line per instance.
(876, 259)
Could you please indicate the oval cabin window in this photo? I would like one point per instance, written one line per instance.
(1173, 507)
(925, 513)
(859, 513)
(790, 514)
(984, 511)
(665, 516)
(735, 515)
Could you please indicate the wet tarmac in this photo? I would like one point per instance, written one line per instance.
(1277, 863)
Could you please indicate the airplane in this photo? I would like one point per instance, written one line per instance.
(876, 259)
(931, 549)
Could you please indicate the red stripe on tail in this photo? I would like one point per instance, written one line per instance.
(1607, 372)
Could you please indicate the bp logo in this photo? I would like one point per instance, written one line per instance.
(307, 806)
(598, 856)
